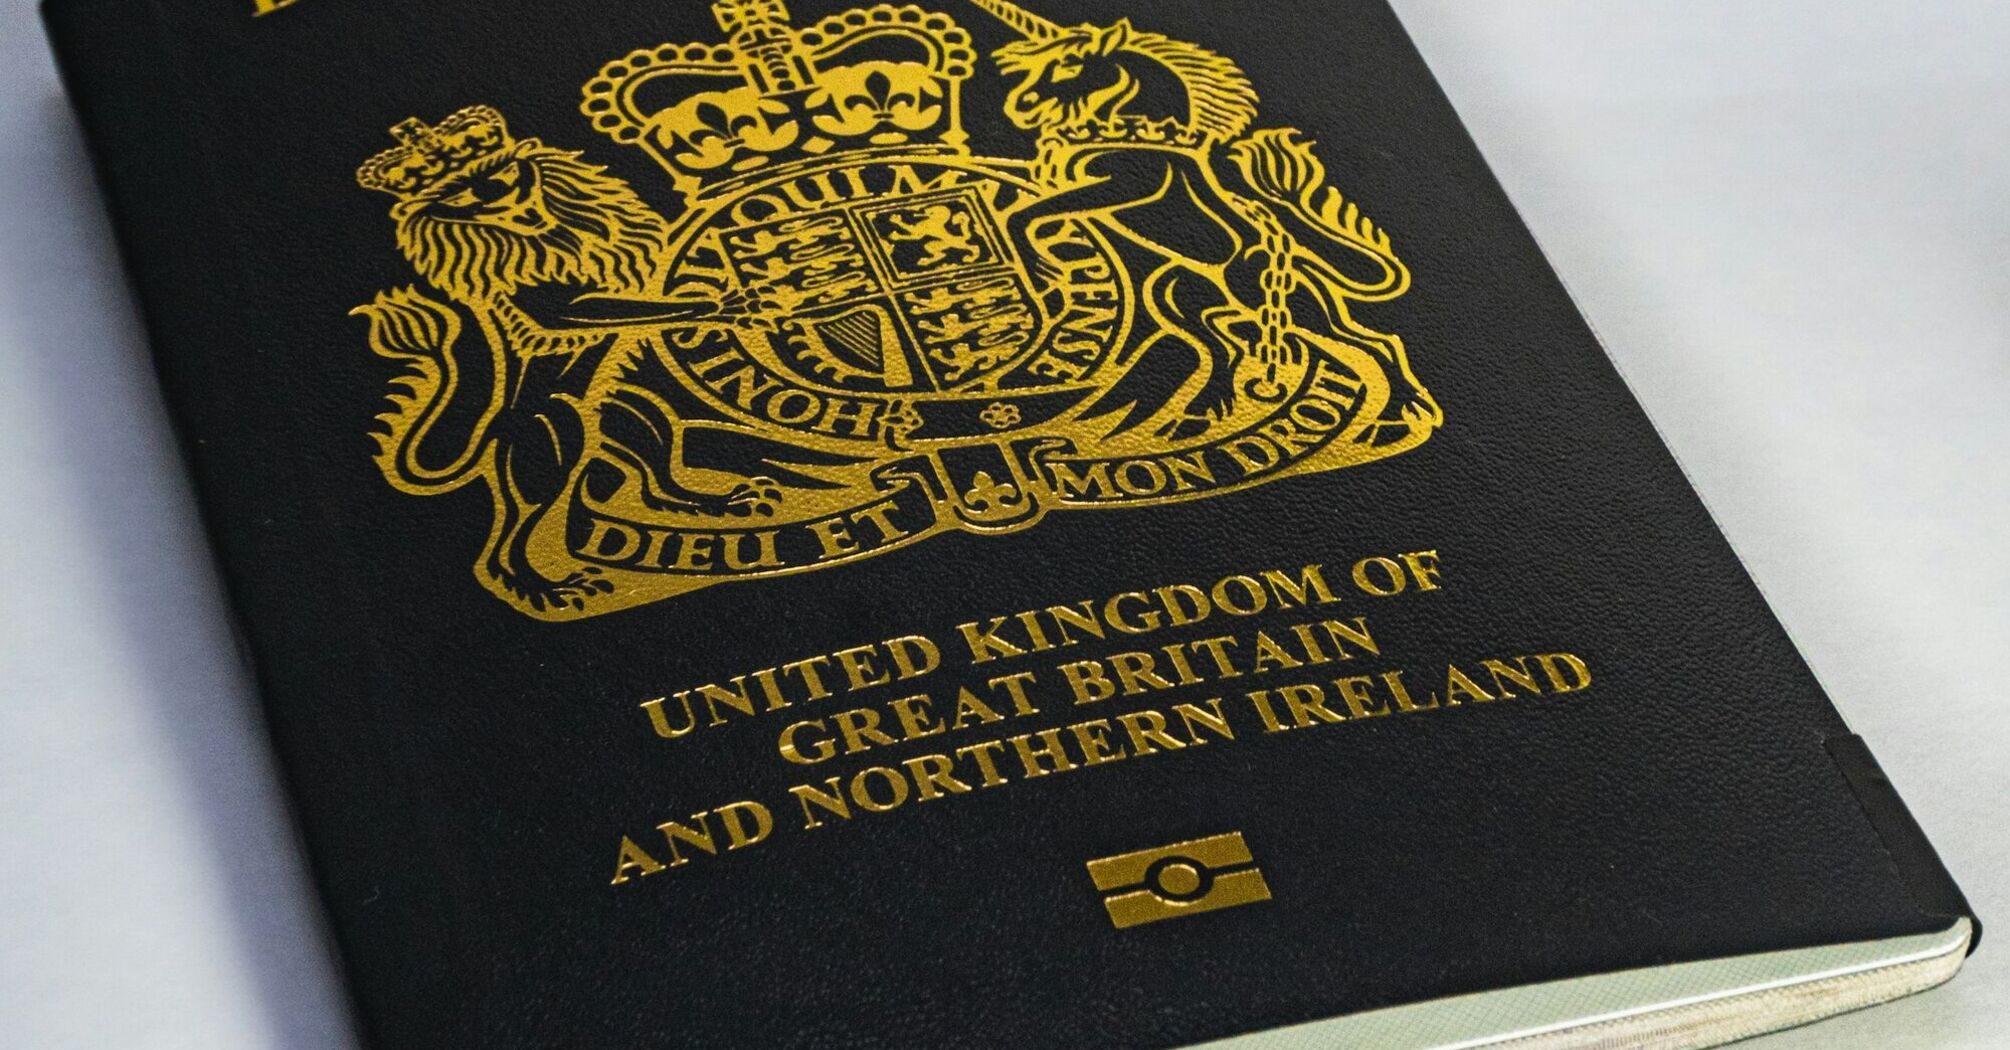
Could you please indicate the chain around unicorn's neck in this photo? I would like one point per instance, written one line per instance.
(1060, 144)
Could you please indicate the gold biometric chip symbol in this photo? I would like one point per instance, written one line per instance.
(1185, 878)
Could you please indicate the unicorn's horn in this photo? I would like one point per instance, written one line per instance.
(1028, 24)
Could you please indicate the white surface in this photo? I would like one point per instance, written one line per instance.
(1681, 1007)
(1787, 219)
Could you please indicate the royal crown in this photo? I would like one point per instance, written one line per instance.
(798, 100)
(428, 154)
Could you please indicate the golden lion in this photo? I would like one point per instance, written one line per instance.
(561, 267)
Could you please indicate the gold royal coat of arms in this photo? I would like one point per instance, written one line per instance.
(854, 334)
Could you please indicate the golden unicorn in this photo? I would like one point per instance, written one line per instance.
(1254, 255)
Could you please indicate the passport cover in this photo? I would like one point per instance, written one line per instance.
(824, 524)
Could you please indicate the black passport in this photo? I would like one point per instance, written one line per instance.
(973, 524)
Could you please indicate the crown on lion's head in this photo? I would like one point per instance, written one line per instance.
(426, 154)
(480, 212)
(804, 94)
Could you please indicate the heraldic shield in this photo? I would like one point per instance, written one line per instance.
(853, 333)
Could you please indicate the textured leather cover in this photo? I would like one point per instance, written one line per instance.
(465, 774)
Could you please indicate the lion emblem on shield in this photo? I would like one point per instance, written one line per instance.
(850, 329)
